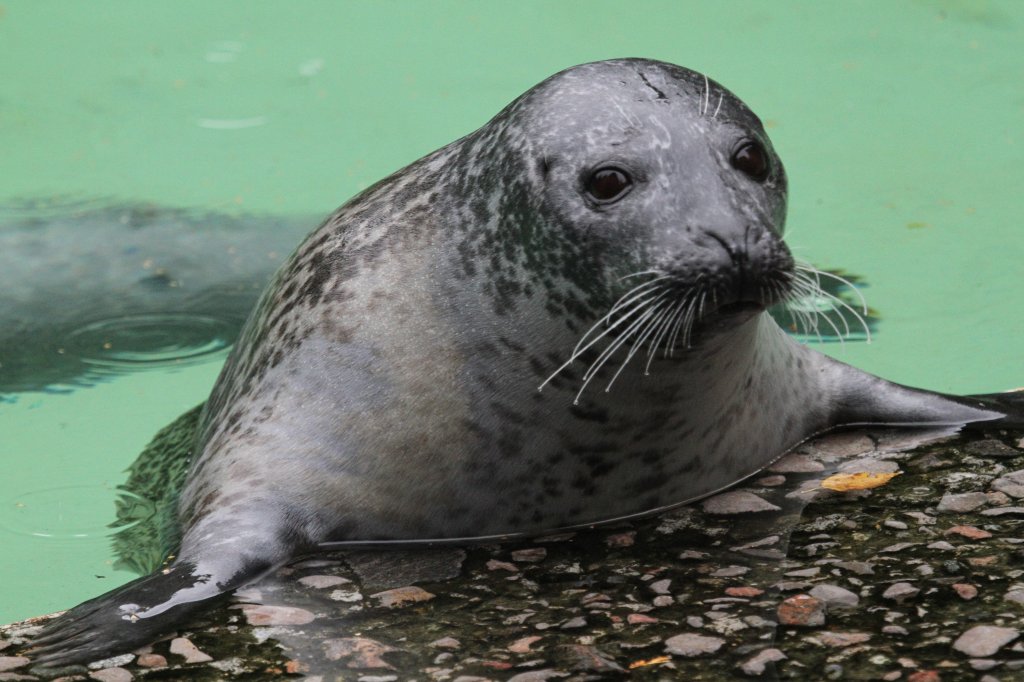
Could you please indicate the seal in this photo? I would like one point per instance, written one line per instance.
(555, 321)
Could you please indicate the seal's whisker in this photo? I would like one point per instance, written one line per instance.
(638, 343)
(662, 324)
(580, 350)
(807, 267)
(707, 96)
(807, 287)
(653, 271)
(637, 302)
(632, 329)
(607, 353)
(670, 324)
(718, 108)
(677, 323)
(681, 323)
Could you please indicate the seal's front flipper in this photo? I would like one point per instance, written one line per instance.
(125, 618)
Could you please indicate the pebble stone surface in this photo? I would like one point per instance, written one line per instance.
(919, 580)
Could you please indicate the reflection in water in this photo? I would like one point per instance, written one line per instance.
(135, 342)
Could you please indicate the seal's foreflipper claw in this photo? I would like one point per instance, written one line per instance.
(122, 619)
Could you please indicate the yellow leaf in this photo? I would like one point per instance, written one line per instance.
(650, 661)
(858, 481)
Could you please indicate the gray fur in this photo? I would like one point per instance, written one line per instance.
(386, 387)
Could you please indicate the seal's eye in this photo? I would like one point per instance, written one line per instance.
(752, 160)
(608, 184)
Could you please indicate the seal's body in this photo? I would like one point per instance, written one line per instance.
(557, 320)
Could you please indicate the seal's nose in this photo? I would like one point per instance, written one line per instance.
(743, 260)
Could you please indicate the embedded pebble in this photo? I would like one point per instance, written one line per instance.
(402, 596)
(941, 545)
(574, 623)
(835, 597)
(1016, 596)
(969, 532)
(796, 464)
(991, 448)
(730, 572)
(801, 610)
(965, 590)
(446, 643)
(736, 502)
(771, 481)
(522, 646)
(495, 565)
(900, 591)
(894, 524)
(626, 539)
(842, 639)
(758, 663)
(961, 502)
(358, 652)
(320, 582)
(744, 591)
(1003, 511)
(112, 675)
(183, 646)
(266, 614)
(660, 586)
(1011, 484)
(529, 555)
(151, 661)
(691, 645)
(984, 640)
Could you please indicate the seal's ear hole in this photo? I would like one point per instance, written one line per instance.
(608, 184)
(751, 159)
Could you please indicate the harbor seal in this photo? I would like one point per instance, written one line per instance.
(554, 321)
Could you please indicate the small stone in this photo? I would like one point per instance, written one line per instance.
(744, 591)
(112, 675)
(924, 676)
(265, 614)
(983, 664)
(756, 665)
(320, 582)
(446, 643)
(796, 464)
(402, 596)
(961, 502)
(1011, 484)
(112, 662)
(894, 524)
(151, 661)
(529, 555)
(663, 600)
(969, 532)
(842, 639)
(626, 539)
(736, 502)
(12, 662)
(495, 565)
(858, 567)
(802, 610)
(690, 645)
(358, 652)
(965, 590)
(1003, 511)
(835, 597)
(804, 572)
(587, 658)
(640, 619)
(183, 646)
(574, 623)
(921, 518)
(522, 646)
(982, 560)
(984, 640)
(900, 591)
(771, 481)
(941, 545)
(660, 586)
(895, 630)
(730, 572)
(1015, 595)
(898, 547)
(991, 448)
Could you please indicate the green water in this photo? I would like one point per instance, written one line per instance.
(900, 124)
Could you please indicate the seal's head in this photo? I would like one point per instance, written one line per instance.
(651, 172)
